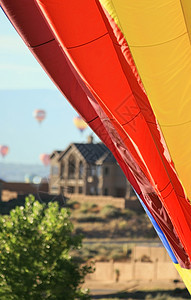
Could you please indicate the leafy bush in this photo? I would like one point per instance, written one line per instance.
(88, 207)
(110, 211)
(128, 213)
(35, 261)
(123, 225)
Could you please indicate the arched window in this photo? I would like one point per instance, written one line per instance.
(81, 169)
(71, 167)
(99, 170)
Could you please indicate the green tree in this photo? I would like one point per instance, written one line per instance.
(35, 262)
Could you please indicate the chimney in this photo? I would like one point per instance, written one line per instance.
(90, 139)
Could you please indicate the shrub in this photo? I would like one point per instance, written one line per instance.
(128, 213)
(110, 211)
(35, 262)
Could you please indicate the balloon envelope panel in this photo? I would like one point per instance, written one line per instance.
(93, 44)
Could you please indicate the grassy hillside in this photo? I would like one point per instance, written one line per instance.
(110, 224)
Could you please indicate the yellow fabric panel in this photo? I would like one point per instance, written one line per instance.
(108, 5)
(148, 22)
(165, 73)
(185, 274)
(186, 7)
(157, 36)
(180, 136)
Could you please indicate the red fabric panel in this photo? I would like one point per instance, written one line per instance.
(114, 91)
(25, 17)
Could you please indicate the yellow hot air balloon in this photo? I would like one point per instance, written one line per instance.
(80, 123)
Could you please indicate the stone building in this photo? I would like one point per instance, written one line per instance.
(87, 169)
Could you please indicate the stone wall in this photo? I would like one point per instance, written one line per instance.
(143, 271)
(140, 253)
(158, 268)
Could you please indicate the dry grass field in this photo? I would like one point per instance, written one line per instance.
(109, 223)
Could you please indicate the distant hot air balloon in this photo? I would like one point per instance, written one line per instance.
(45, 158)
(39, 115)
(80, 123)
(4, 150)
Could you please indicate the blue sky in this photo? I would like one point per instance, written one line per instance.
(24, 87)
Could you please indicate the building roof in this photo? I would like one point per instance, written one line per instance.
(91, 152)
(106, 158)
(55, 153)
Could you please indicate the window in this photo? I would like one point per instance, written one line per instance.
(106, 191)
(81, 170)
(99, 169)
(71, 167)
(80, 190)
(106, 171)
(71, 189)
(93, 170)
(92, 190)
(55, 170)
(62, 170)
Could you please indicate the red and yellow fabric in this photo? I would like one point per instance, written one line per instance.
(111, 82)
(92, 52)
(158, 35)
(94, 69)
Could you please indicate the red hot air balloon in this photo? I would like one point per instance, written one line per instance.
(45, 158)
(39, 115)
(4, 150)
(141, 129)
(80, 123)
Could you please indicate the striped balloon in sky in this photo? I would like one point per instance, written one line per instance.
(80, 123)
(39, 115)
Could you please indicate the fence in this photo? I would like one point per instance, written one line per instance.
(158, 267)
